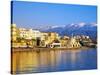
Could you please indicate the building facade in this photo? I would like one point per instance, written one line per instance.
(73, 43)
(13, 32)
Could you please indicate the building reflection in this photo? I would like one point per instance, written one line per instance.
(43, 61)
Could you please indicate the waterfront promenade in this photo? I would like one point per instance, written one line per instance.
(45, 49)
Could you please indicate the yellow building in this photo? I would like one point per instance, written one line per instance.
(13, 32)
(44, 36)
(14, 36)
(73, 43)
(63, 42)
(22, 32)
(47, 38)
(44, 39)
(52, 36)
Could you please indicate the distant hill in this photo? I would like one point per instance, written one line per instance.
(89, 29)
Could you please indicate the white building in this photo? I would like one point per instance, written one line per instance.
(55, 45)
(29, 33)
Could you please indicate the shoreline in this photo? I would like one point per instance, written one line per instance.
(45, 49)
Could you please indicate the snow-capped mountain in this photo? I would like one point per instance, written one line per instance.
(89, 29)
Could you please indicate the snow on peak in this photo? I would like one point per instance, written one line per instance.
(93, 24)
(81, 24)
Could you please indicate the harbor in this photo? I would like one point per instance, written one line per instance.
(45, 49)
(49, 60)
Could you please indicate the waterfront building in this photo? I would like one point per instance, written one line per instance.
(73, 43)
(32, 37)
(22, 33)
(44, 36)
(52, 36)
(63, 42)
(21, 37)
(87, 42)
(29, 33)
(85, 37)
(36, 34)
(55, 44)
(44, 39)
(66, 37)
(47, 38)
(13, 32)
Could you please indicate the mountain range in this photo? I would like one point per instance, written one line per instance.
(89, 29)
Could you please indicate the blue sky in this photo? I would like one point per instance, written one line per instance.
(34, 14)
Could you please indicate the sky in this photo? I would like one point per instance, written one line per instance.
(37, 14)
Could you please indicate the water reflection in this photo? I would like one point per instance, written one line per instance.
(58, 60)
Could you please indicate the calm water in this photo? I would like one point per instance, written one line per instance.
(59, 60)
